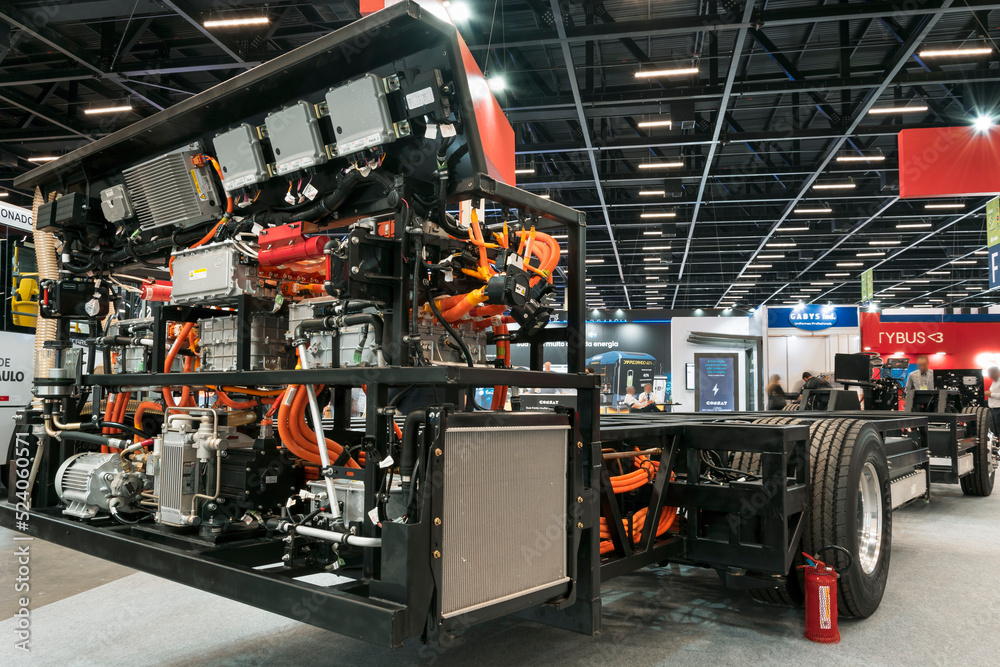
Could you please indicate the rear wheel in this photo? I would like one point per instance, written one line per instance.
(980, 481)
(850, 507)
(789, 407)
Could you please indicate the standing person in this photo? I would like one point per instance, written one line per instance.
(993, 397)
(775, 393)
(922, 378)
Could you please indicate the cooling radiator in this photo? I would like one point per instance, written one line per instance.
(503, 510)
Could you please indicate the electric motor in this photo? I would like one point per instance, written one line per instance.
(91, 482)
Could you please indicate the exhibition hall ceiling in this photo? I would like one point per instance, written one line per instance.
(727, 154)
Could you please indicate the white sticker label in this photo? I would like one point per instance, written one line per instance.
(373, 515)
(310, 192)
(431, 132)
(198, 274)
(270, 479)
(448, 130)
(420, 98)
(825, 622)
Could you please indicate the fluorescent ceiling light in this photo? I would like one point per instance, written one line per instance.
(525, 170)
(231, 23)
(758, 266)
(652, 233)
(876, 253)
(793, 229)
(917, 281)
(957, 294)
(964, 261)
(781, 245)
(742, 285)
(860, 158)
(4, 194)
(937, 53)
(850, 263)
(952, 205)
(655, 123)
(651, 259)
(810, 289)
(658, 247)
(813, 210)
(837, 275)
(46, 158)
(658, 215)
(782, 256)
(914, 225)
(939, 273)
(746, 276)
(675, 71)
(118, 109)
(651, 193)
(844, 185)
(824, 283)
(657, 268)
(886, 110)
(661, 165)
(883, 243)
(981, 252)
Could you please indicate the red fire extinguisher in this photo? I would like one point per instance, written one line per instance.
(821, 598)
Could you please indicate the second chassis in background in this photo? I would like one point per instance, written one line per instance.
(333, 222)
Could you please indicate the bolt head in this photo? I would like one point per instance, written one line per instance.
(438, 452)
(437, 521)
(437, 554)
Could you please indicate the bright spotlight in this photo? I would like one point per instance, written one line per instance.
(497, 83)
(982, 123)
(459, 11)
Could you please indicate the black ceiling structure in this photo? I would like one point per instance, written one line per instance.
(717, 209)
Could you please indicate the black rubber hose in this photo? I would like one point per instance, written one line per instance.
(80, 436)
(125, 427)
(408, 456)
(153, 247)
(366, 318)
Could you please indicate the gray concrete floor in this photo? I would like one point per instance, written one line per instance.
(942, 606)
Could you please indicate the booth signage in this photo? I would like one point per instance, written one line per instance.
(716, 385)
(813, 317)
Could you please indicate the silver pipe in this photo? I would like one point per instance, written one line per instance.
(324, 455)
(332, 536)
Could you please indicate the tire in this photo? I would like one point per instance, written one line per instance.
(980, 481)
(844, 453)
(790, 407)
(841, 452)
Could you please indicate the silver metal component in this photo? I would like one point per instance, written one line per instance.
(179, 459)
(360, 115)
(171, 190)
(115, 203)
(91, 482)
(966, 463)
(909, 487)
(295, 138)
(440, 348)
(214, 274)
(869, 519)
(351, 498)
(508, 467)
(241, 157)
(267, 343)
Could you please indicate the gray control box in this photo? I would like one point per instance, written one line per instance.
(360, 115)
(214, 274)
(115, 203)
(241, 157)
(295, 138)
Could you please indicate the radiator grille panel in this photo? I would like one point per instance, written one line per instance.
(171, 191)
(504, 514)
